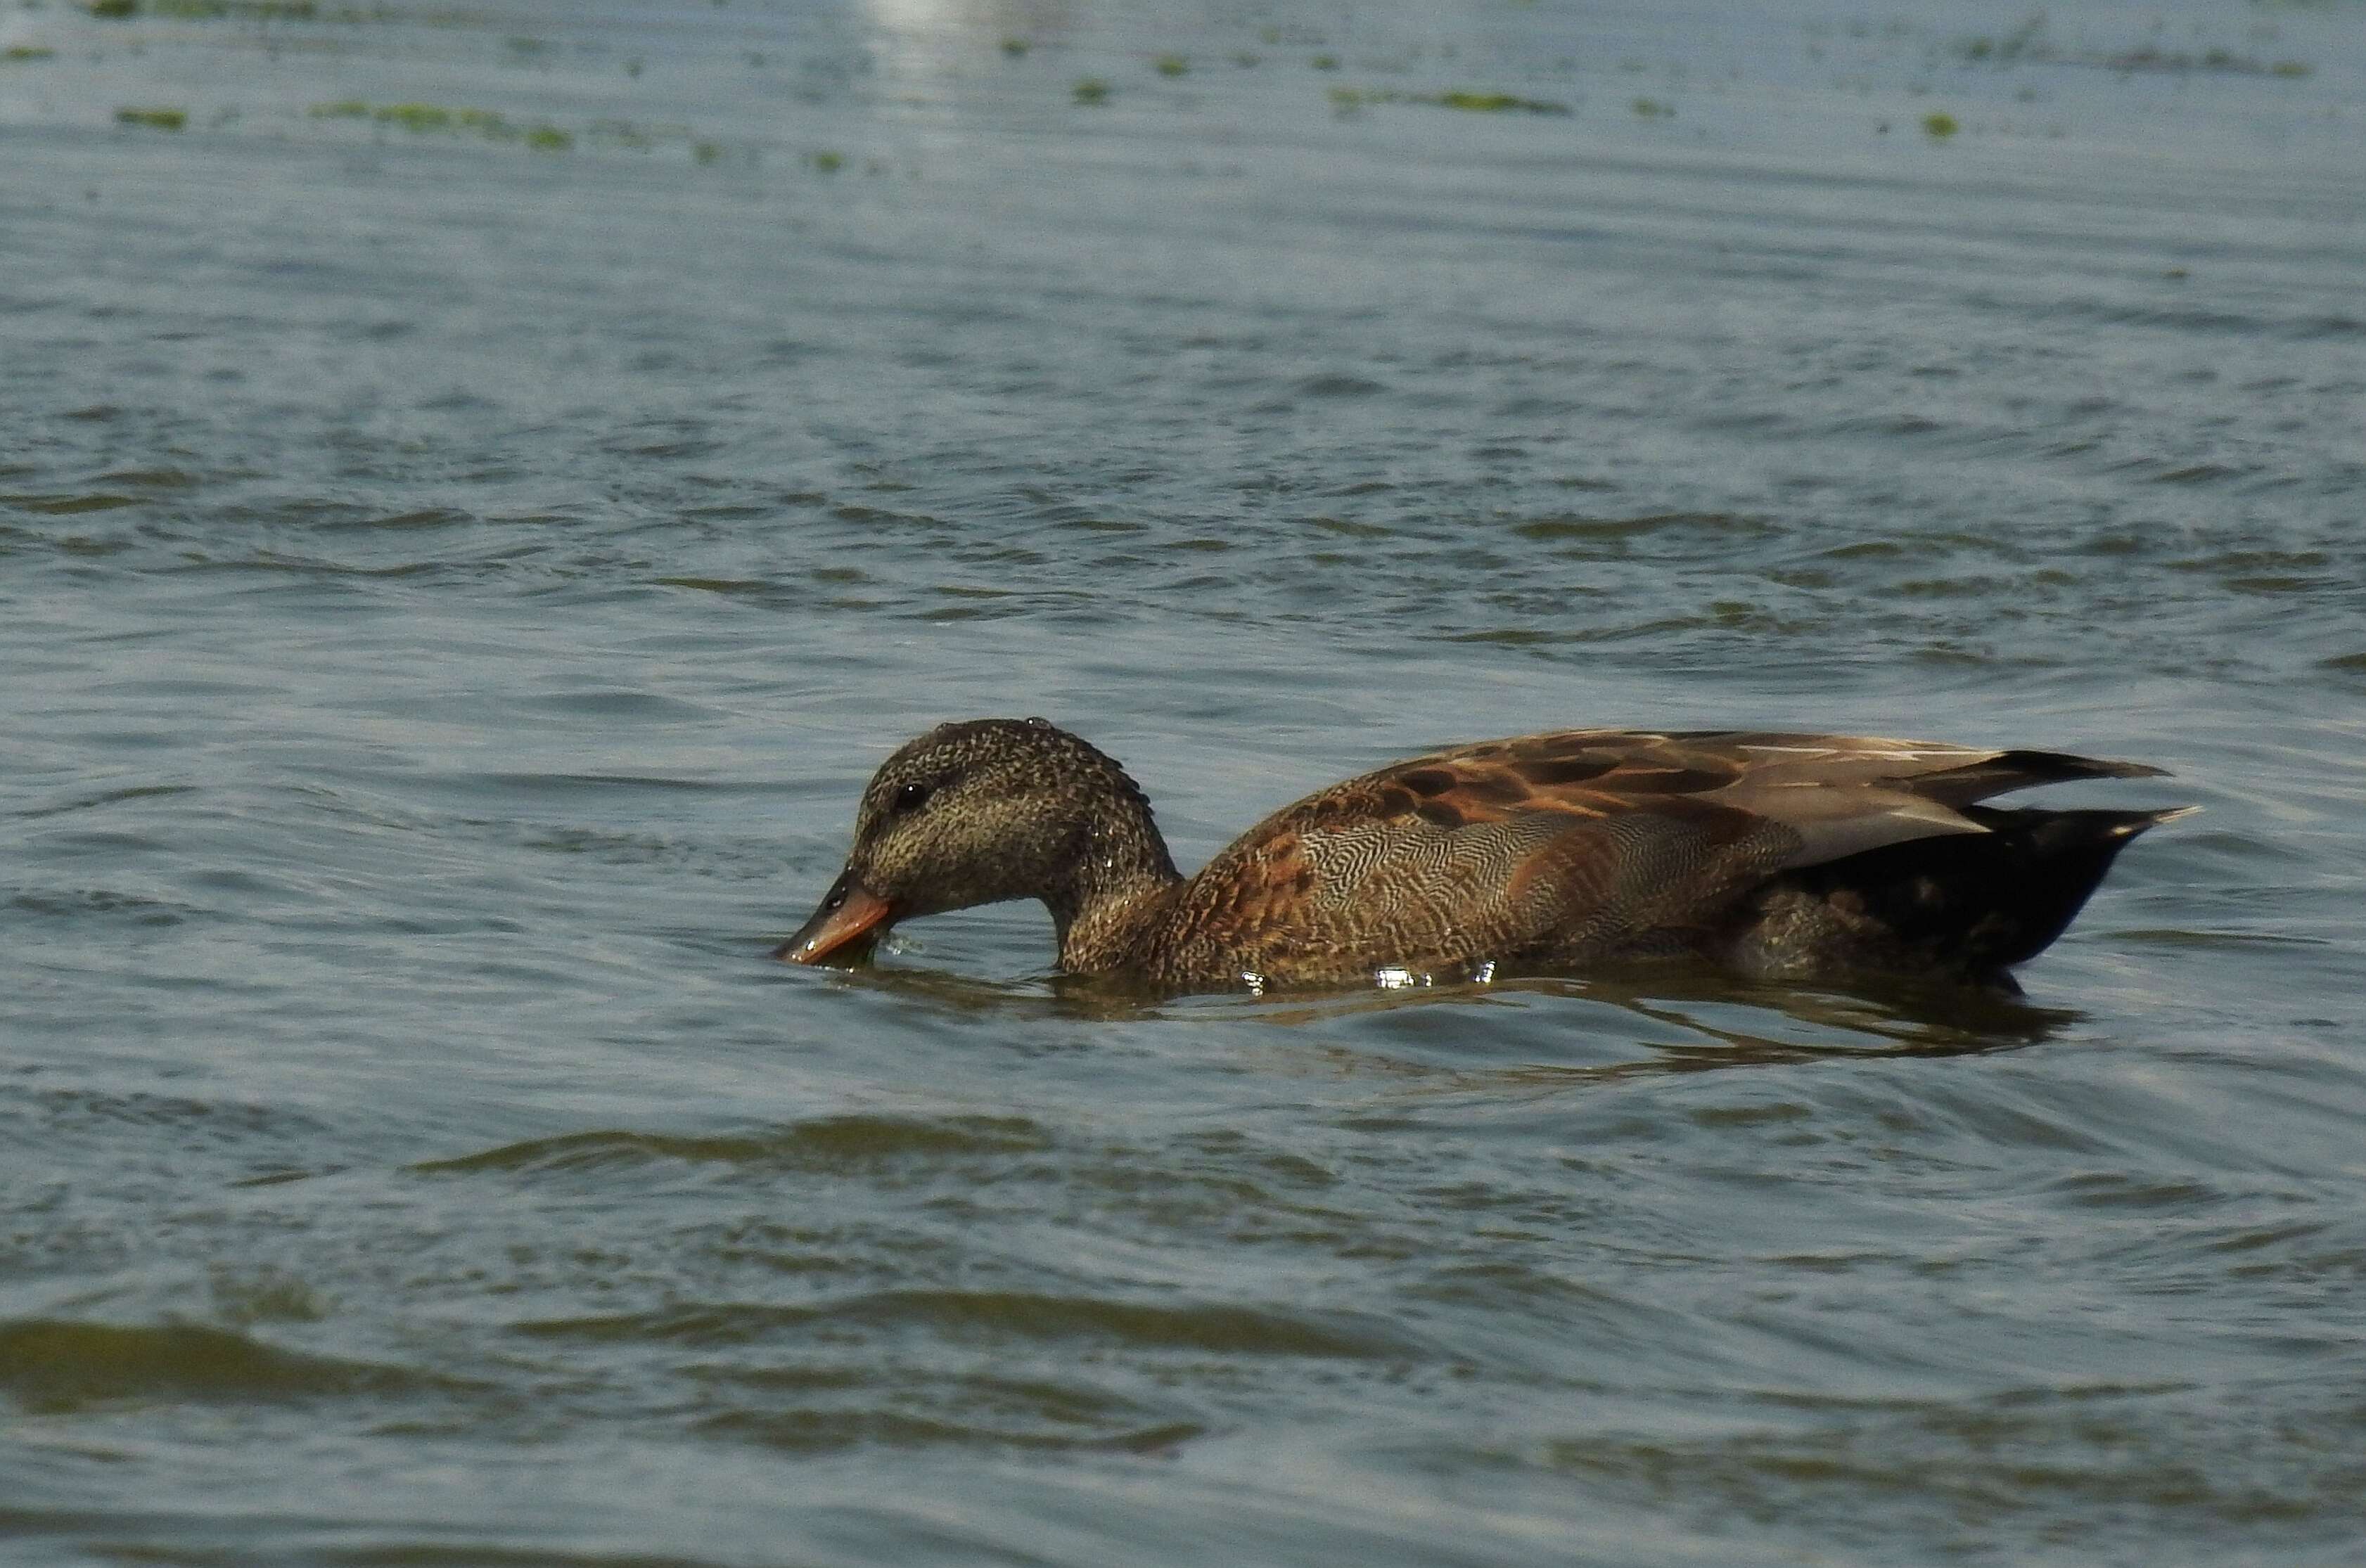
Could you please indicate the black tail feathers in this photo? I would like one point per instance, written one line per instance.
(1967, 903)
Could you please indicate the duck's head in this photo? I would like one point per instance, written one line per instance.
(977, 813)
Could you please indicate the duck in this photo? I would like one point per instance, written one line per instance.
(1774, 855)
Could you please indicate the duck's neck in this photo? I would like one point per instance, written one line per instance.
(1109, 886)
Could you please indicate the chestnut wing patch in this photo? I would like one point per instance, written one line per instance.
(1583, 773)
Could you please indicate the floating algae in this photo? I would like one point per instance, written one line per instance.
(1348, 100)
(1495, 103)
(417, 117)
(208, 10)
(2031, 44)
(430, 118)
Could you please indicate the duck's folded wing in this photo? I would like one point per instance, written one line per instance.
(1840, 794)
(1583, 839)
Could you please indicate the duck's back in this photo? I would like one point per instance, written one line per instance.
(1578, 845)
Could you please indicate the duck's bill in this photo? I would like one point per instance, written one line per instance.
(851, 917)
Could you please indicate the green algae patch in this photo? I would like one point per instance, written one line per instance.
(2222, 60)
(1652, 108)
(2027, 41)
(1939, 127)
(245, 10)
(486, 124)
(416, 117)
(2032, 44)
(153, 118)
(826, 161)
(1498, 103)
(1348, 100)
(17, 53)
(1172, 65)
(210, 10)
(1091, 90)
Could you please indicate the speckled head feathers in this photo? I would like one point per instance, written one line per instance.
(985, 809)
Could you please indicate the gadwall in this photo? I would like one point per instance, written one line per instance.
(1787, 856)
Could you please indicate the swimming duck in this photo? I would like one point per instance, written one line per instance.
(1785, 855)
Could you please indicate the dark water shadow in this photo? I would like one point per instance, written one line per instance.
(1736, 1021)
(1902, 1016)
(1747, 1023)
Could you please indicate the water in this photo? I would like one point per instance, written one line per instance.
(484, 492)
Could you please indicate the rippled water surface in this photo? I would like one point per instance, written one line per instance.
(484, 485)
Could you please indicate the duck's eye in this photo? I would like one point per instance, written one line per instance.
(910, 798)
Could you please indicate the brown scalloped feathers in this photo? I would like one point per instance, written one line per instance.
(1773, 855)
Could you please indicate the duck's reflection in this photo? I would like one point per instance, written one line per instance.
(1686, 1018)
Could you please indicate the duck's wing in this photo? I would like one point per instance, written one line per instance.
(1840, 794)
(1577, 841)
